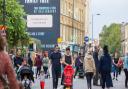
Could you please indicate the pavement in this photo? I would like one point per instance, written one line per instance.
(81, 83)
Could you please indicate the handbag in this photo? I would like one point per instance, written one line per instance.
(5, 82)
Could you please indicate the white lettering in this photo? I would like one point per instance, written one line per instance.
(36, 1)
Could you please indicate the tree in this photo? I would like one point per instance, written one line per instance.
(111, 36)
(15, 22)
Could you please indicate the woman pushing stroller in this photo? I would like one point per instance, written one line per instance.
(67, 60)
(25, 74)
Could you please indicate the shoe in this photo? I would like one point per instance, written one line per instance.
(116, 79)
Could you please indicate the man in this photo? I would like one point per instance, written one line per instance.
(105, 66)
(56, 66)
(95, 56)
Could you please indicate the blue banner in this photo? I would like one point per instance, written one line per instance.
(43, 20)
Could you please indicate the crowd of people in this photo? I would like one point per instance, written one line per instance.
(98, 64)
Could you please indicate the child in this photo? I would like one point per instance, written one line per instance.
(42, 79)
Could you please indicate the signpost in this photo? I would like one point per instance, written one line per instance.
(86, 39)
(43, 20)
(59, 40)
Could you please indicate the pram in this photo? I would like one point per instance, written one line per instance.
(25, 74)
(68, 77)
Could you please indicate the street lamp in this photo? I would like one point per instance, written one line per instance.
(93, 23)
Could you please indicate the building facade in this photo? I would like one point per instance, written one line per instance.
(124, 38)
(74, 21)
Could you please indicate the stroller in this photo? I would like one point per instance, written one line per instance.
(81, 71)
(26, 76)
(68, 77)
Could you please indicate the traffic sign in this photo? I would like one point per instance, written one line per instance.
(59, 40)
(86, 39)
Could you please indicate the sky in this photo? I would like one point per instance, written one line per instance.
(111, 11)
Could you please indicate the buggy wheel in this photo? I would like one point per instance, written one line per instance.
(67, 87)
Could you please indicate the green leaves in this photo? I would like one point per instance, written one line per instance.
(16, 32)
(111, 36)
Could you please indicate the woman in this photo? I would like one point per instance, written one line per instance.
(6, 68)
(90, 69)
(46, 64)
(105, 68)
(30, 62)
(38, 64)
(18, 60)
(115, 62)
(120, 65)
(67, 60)
(126, 70)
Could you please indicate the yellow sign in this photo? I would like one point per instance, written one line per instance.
(59, 40)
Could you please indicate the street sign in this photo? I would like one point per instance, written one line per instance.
(59, 40)
(86, 39)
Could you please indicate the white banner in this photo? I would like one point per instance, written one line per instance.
(39, 21)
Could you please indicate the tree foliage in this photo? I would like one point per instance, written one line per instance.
(15, 22)
(111, 36)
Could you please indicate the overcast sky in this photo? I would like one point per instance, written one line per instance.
(111, 11)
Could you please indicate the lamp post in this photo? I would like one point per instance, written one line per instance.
(73, 20)
(93, 24)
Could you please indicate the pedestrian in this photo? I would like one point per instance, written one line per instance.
(105, 68)
(66, 60)
(30, 62)
(126, 70)
(42, 79)
(120, 65)
(115, 62)
(100, 52)
(6, 69)
(90, 70)
(18, 60)
(56, 66)
(38, 64)
(96, 60)
(46, 64)
(78, 62)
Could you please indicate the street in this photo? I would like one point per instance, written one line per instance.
(81, 84)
